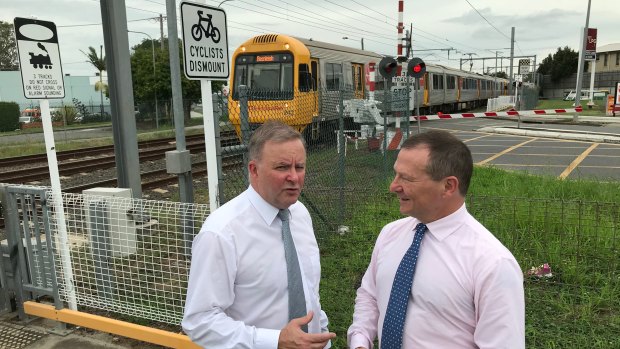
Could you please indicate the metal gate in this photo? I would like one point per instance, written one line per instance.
(27, 253)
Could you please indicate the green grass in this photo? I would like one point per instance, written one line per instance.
(597, 110)
(572, 225)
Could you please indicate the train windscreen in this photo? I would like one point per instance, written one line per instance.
(267, 76)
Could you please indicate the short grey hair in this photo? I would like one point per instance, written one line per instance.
(275, 131)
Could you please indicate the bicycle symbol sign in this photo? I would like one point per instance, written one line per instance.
(210, 32)
(205, 47)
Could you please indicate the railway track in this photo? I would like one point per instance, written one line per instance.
(227, 138)
(154, 179)
(67, 168)
(150, 179)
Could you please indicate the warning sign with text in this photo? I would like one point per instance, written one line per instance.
(205, 41)
(39, 58)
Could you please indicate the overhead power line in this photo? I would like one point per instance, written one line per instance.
(491, 24)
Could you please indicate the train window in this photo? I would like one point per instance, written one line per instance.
(451, 82)
(305, 78)
(315, 73)
(333, 76)
(272, 79)
(437, 82)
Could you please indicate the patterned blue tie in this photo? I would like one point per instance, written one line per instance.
(394, 321)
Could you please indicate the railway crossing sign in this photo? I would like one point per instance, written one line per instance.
(205, 42)
(39, 58)
(524, 66)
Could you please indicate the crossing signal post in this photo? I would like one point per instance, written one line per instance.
(416, 68)
(388, 68)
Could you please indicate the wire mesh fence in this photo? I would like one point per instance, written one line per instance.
(132, 256)
(128, 256)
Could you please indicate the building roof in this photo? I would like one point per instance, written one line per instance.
(609, 48)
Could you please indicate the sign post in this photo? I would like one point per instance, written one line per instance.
(590, 55)
(42, 79)
(205, 52)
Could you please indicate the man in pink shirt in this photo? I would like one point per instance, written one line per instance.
(467, 288)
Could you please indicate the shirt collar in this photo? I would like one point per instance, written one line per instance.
(265, 209)
(444, 227)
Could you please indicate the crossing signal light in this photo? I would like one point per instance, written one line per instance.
(416, 68)
(388, 67)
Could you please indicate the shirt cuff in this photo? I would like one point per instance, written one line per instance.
(266, 338)
(358, 340)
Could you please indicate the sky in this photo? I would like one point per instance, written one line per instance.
(444, 31)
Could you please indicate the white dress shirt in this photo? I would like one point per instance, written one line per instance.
(467, 288)
(237, 294)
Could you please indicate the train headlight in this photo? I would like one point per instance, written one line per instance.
(242, 48)
(286, 46)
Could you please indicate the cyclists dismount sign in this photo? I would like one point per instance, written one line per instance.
(205, 41)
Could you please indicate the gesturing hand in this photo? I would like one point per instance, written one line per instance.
(292, 336)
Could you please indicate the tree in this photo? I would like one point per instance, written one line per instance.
(8, 48)
(501, 75)
(562, 64)
(98, 61)
(148, 84)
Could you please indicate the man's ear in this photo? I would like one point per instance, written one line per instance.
(451, 185)
(252, 169)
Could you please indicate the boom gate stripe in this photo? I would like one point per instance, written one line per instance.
(491, 114)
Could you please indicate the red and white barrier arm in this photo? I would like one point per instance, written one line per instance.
(492, 114)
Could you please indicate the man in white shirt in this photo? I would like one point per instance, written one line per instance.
(467, 288)
(237, 294)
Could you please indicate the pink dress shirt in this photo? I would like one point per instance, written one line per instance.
(467, 290)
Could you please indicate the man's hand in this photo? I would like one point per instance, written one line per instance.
(293, 337)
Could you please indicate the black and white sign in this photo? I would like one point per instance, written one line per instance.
(205, 42)
(39, 58)
(524, 66)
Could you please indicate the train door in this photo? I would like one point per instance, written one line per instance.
(358, 80)
(314, 70)
(425, 81)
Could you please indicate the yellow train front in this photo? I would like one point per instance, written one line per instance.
(298, 81)
(276, 72)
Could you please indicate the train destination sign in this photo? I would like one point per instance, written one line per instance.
(205, 42)
(39, 58)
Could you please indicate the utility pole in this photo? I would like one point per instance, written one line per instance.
(582, 49)
(161, 31)
(471, 61)
(512, 53)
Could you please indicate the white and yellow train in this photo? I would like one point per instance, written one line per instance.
(297, 81)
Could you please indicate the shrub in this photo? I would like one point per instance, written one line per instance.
(9, 116)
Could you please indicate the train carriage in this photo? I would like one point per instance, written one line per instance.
(298, 81)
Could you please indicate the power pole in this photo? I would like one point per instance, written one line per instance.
(471, 61)
(161, 30)
(582, 49)
(512, 53)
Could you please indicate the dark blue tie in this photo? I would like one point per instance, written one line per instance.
(394, 321)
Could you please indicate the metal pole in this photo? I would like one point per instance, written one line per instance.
(512, 53)
(362, 44)
(495, 87)
(341, 157)
(115, 41)
(582, 49)
(185, 179)
(100, 81)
